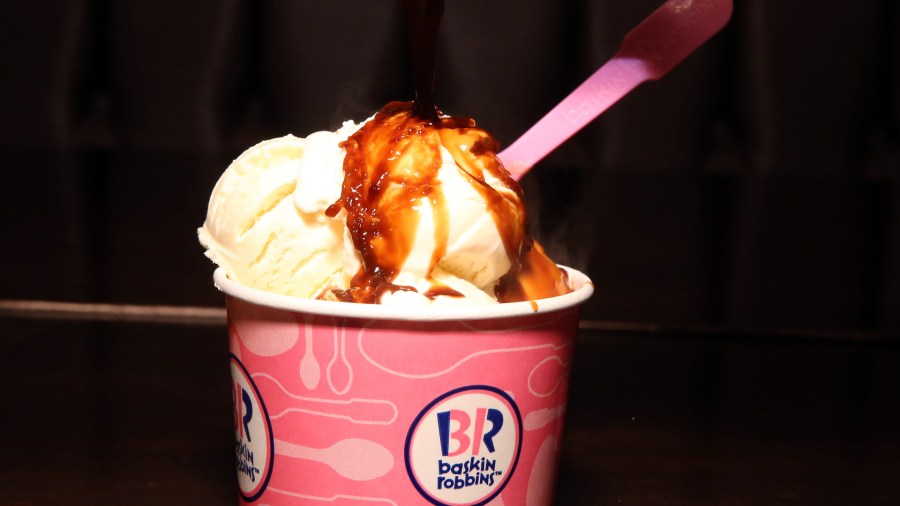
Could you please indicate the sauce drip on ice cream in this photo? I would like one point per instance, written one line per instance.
(391, 170)
(392, 167)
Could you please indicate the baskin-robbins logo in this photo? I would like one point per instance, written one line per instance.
(463, 447)
(254, 445)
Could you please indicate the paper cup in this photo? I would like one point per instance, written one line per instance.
(355, 404)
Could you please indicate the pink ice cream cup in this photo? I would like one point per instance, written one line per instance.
(356, 404)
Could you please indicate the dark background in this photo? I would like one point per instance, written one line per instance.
(755, 187)
(740, 219)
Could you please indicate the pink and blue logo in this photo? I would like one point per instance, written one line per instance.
(254, 444)
(463, 447)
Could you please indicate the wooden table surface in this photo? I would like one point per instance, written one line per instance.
(107, 412)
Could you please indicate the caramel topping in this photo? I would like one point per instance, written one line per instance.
(391, 169)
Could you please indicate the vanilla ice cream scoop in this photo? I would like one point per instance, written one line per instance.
(399, 210)
(256, 232)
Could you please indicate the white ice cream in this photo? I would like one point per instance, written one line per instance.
(255, 231)
(266, 226)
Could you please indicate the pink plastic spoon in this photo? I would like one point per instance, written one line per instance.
(648, 52)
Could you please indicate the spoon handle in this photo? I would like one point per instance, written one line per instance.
(604, 88)
(649, 51)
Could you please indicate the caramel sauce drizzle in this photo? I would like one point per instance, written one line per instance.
(391, 168)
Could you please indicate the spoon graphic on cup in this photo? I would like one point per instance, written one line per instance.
(649, 51)
(355, 459)
(310, 371)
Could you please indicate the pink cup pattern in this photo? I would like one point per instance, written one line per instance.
(347, 402)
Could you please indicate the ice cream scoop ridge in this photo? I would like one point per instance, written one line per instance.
(399, 210)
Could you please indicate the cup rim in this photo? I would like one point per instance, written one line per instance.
(581, 284)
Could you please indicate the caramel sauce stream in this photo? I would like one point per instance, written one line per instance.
(391, 168)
